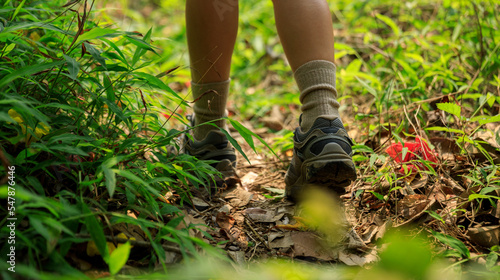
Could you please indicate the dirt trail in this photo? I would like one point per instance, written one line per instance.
(254, 221)
(257, 222)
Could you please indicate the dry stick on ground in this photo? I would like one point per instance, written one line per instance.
(253, 253)
(409, 106)
(267, 181)
(257, 244)
(257, 234)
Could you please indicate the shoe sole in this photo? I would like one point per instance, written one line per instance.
(332, 169)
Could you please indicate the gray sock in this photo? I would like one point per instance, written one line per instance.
(318, 93)
(210, 104)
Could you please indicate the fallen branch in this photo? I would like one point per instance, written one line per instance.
(257, 234)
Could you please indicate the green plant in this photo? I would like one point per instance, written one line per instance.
(487, 183)
(83, 125)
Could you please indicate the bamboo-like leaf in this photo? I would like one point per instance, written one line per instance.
(97, 32)
(119, 258)
(118, 51)
(482, 196)
(140, 43)
(95, 54)
(377, 195)
(452, 242)
(110, 176)
(17, 10)
(368, 87)
(248, 134)
(96, 232)
(451, 108)
(37, 24)
(483, 119)
(390, 23)
(108, 87)
(73, 66)
(153, 80)
(7, 49)
(440, 128)
(235, 144)
(27, 70)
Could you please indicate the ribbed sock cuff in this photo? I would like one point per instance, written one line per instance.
(209, 104)
(318, 94)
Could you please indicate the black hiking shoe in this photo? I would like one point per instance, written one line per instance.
(322, 157)
(214, 146)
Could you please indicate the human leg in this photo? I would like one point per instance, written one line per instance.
(322, 148)
(211, 27)
(306, 33)
(305, 29)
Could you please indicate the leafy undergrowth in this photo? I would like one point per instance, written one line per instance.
(88, 112)
(84, 146)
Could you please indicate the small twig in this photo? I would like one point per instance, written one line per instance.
(257, 234)
(429, 100)
(375, 48)
(431, 191)
(254, 250)
(409, 119)
(266, 181)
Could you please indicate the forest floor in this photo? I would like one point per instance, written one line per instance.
(252, 219)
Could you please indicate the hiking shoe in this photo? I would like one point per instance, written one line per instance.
(214, 146)
(322, 156)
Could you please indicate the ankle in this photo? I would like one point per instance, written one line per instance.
(318, 94)
(209, 105)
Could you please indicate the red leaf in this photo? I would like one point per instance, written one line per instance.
(416, 151)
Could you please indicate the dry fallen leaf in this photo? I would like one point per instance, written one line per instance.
(80, 264)
(353, 259)
(237, 256)
(354, 241)
(249, 178)
(262, 215)
(238, 197)
(308, 244)
(193, 223)
(411, 205)
(487, 236)
(275, 120)
(280, 240)
(228, 227)
(224, 221)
